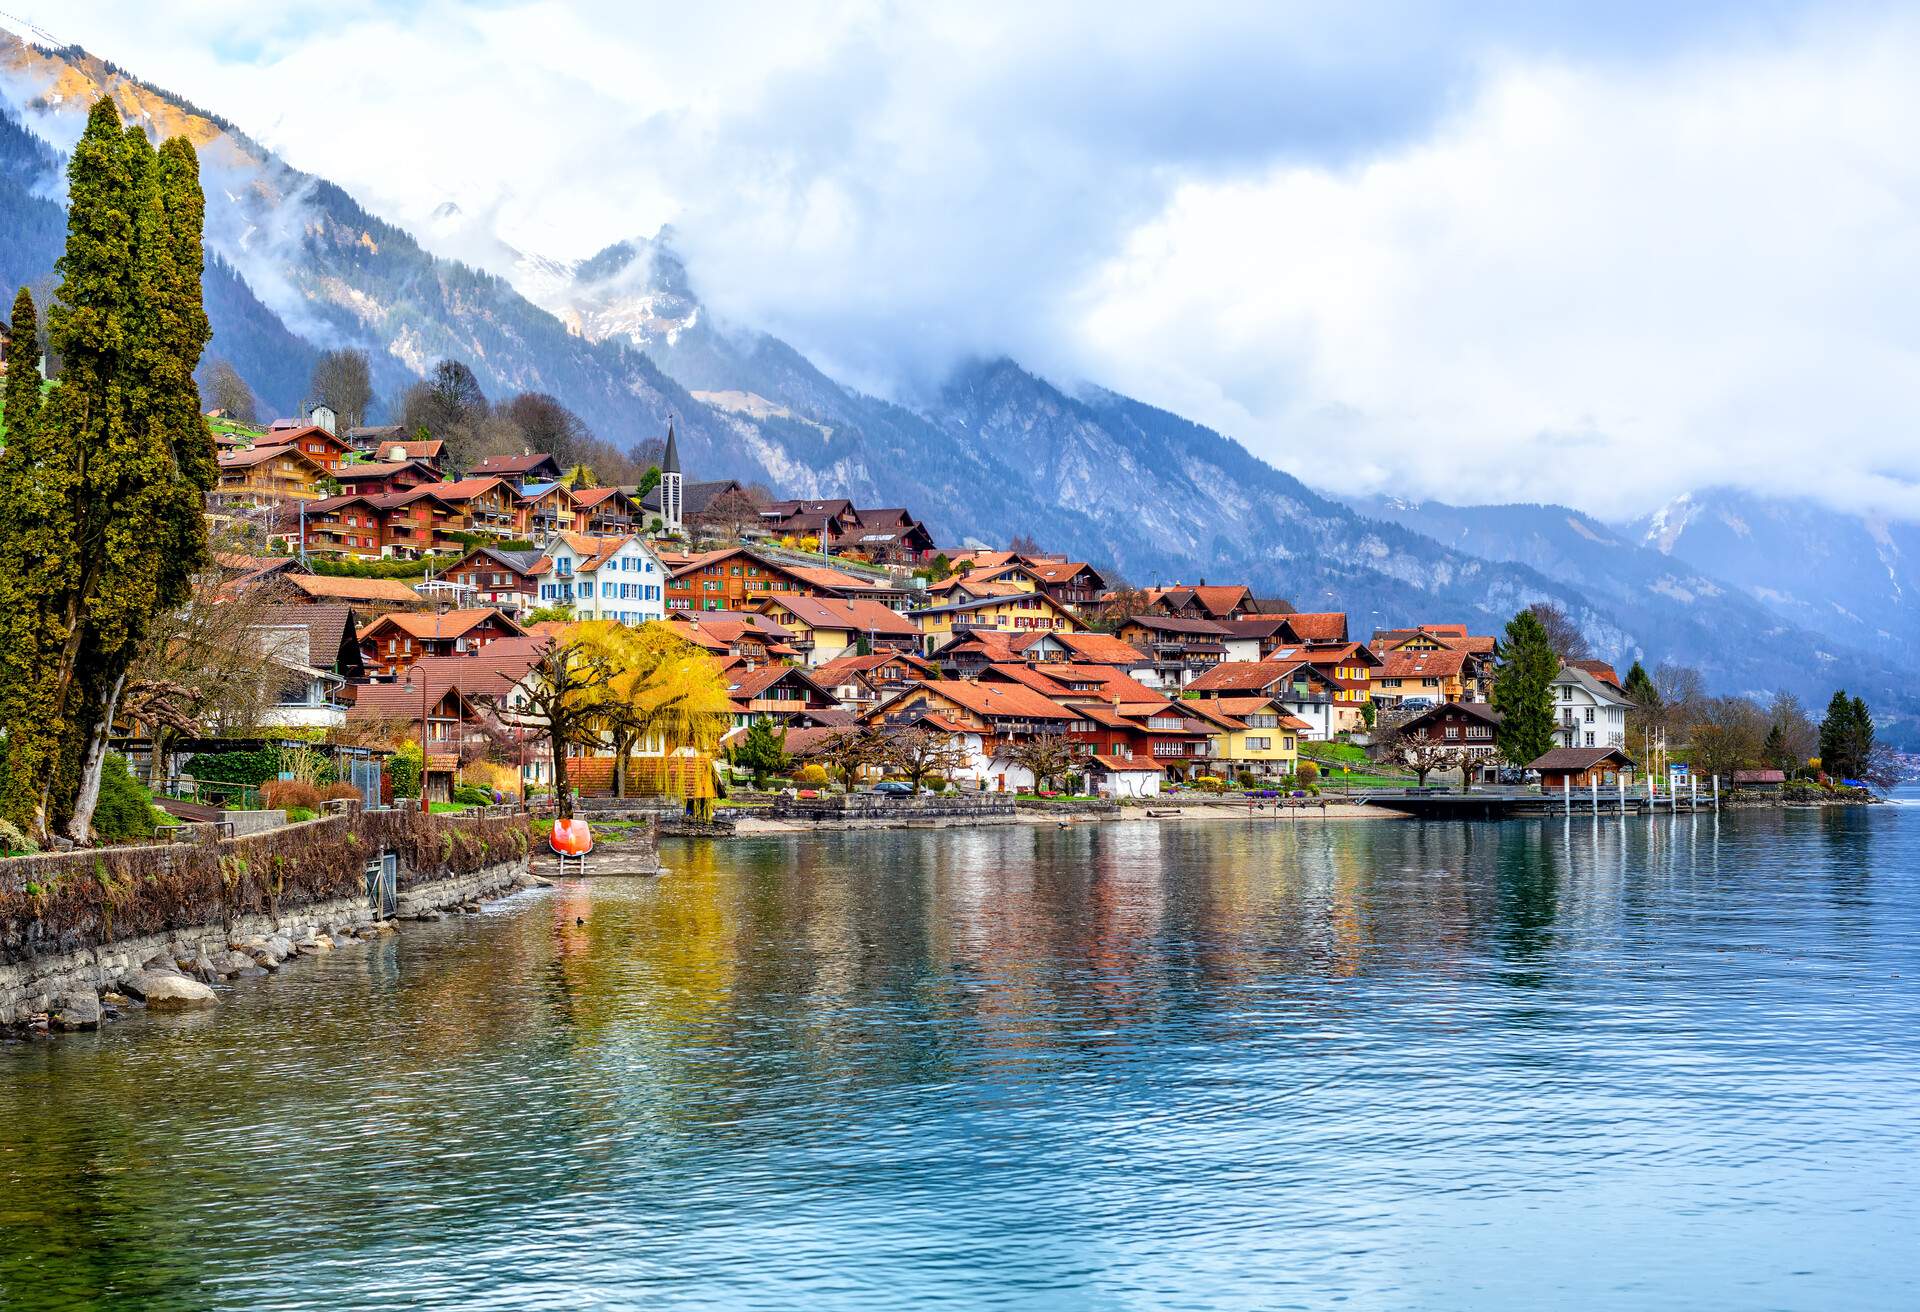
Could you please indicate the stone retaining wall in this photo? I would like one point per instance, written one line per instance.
(872, 811)
(32, 987)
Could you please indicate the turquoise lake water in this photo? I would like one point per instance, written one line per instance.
(1561, 1064)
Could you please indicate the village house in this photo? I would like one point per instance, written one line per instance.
(985, 718)
(383, 479)
(1070, 583)
(738, 578)
(1020, 613)
(1303, 691)
(1469, 728)
(546, 509)
(536, 467)
(489, 504)
(1417, 678)
(604, 578)
(605, 511)
(1252, 736)
(743, 638)
(311, 441)
(1200, 602)
(316, 650)
(1590, 713)
(394, 641)
(825, 628)
(506, 580)
(1306, 628)
(861, 682)
(266, 476)
(369, 598)
(784, 694)
(696, 499)
(1181, 649)
(1349, 669)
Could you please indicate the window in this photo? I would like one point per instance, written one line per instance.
(1453, 731)
(1589, 715)
(1589, 738)
(1259, 744)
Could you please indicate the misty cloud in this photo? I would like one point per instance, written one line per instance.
(1462, 249)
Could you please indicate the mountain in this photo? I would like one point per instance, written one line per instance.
(1853, 577)
(296, 265)
(1686, 611)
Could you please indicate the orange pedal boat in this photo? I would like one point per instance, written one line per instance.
(571, 837)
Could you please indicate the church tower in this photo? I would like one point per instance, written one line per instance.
(670, 483)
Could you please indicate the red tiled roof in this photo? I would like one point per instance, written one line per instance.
(1244, 676)
(1122, 765)
(1401, 664)
(999, 700)
(1101, 649)
(1577, 758)
(345, 589)
(447, 624)
(853, 614)
(1327, 626)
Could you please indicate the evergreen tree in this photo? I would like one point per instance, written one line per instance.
(763, 750)
(1523, 689)
(117, 532)
(1774, 750)
(1839, 735)
(1639, 686)
(1859, 738)
(36, 548)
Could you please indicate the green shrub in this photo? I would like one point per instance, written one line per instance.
(295, 814)
(125, 809)
(468, 795)
(252, 767)
(403, 768)
(12, 841)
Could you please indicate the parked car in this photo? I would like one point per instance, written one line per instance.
(894, 788)
(1416, 703)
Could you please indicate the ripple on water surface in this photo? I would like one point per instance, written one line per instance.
(1595, 1064)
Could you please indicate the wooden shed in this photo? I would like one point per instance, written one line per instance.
(1582, 767)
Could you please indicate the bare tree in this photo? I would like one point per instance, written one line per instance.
(229, 392)
(1883, 769)
(1725, 734)
(564, 689)
(847, 752)
(728, 517)
(1799, 737)
(920, 754)
(1046, 756)
(1423, 756)
(1568, 643)
(343, 379)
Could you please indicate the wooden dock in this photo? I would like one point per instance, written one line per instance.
(1510, 803)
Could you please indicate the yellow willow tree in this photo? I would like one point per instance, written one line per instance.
(667, 697)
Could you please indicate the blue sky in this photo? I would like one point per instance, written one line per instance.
(1588, 253)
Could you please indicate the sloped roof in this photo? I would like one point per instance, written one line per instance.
(747, 684)
(1476, 710)
(588, 497)
(1600, 670)
(327, 587)
(1604, 693)
(513, 464)
(446, 624)
(462, 489)
(258, 455)
(1244, 676)
(854, 614)
(1123, 765)
(1168, 624)
(999, 700)
(332, 635)
(1100, 649)
(1319, 626)
(1578, 758)
(842, 667)
(277, 436)
(1400, 664)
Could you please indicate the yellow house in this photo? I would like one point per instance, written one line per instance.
(1437, 677)
(1025, 612)
(1254, 735)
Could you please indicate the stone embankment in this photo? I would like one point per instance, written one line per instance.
(873, 811)
(84, 935)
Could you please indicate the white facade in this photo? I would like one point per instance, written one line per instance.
(1587, 712)
(629, 585)
(1124, 783)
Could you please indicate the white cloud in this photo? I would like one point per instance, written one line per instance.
(1592, 286)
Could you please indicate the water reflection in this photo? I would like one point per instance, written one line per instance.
(1261, 1064)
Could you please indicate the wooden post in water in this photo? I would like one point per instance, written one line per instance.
(1593, 790)
(1620, 787)
(1566, 792)
(1693, 791)
(1716, 792)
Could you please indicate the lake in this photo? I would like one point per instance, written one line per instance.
(1564, 1063)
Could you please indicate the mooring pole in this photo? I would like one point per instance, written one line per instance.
(1566, 791)
(1716, 792)
(1693, 792)
(1593, 790)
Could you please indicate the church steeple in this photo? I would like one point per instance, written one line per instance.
(670, 482)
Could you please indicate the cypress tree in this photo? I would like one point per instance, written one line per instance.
(147, 487)
(35, 547)
(1859, 738)
(1523, 690)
